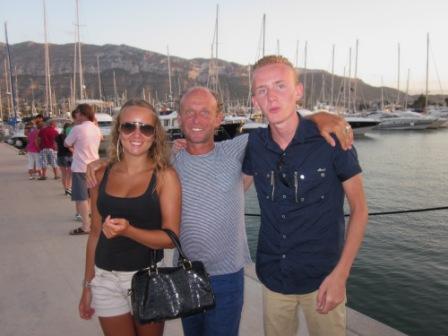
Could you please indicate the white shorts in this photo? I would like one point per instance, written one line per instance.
(33, 161)
(110, 292)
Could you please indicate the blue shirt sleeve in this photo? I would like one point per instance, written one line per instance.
(346, 163)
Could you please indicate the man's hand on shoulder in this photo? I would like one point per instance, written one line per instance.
(329, 123)
(178, 145)
(92, 168)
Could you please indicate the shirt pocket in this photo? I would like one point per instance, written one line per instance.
(265, 183)
(313, 186)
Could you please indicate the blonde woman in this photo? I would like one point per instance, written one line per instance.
(139, 193)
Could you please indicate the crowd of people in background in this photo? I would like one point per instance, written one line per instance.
(67, 152)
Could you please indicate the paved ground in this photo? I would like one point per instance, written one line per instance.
(42, 266)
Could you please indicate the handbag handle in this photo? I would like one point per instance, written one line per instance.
(182, 257)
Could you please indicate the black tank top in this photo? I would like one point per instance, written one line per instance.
(121, 253)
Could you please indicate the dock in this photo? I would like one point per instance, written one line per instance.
(42, 266)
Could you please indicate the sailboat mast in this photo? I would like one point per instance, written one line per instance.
(264, 36)
(427, 71)
(10, 66)
(17, 87)
(48, 91)
(217, 32)
(304, 74)
(332, 77)
(7, 87)
(398, 77)
(349, 79)
(296, 63)
(115, 90)
(355, 76)
(100, 89)
(170, 97)
(81, 82)
(407, 90)
(75, 59)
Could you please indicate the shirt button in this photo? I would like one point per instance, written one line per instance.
(302, 199)
(284, 236)
(283, 256)
(322, 196)
(284, 196)
(283, 216)
(267, 197)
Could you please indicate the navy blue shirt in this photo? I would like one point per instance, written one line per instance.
(301, 202)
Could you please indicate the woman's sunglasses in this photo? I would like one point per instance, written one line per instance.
(130, 127)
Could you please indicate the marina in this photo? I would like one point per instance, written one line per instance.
(401, 254)
(50, 63)
(45, 265)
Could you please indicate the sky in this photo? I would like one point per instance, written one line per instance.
(187, 27)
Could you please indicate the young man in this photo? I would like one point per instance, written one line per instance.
(84, 139)
(302, 256)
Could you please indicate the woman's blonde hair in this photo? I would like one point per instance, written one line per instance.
(158, 152)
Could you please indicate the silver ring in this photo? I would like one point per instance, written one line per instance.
(347, 129)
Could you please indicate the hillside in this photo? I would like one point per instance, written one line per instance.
(138, 70)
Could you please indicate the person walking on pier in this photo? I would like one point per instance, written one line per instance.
(138, 195)
(304, 255)
(34, 169)
(84, 140)
(65, 157)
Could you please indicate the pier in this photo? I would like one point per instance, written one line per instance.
(42, 266)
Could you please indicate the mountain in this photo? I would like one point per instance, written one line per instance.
(138, 70)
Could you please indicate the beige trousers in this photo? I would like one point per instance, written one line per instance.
(280, 315)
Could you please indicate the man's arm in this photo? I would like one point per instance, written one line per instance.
(328, 123)
(332, 290)
(92, 169)
(247, 181)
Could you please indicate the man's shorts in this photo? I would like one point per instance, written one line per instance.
(48, 158)
(110, 292)
(65, 161)
(33, 161)
(79, 187)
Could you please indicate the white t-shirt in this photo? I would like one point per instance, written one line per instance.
(85, 140)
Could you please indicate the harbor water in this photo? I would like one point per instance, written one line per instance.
(401, 274)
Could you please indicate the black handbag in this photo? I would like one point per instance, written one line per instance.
(164, 293)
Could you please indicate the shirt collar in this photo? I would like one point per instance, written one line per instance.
(302, 132)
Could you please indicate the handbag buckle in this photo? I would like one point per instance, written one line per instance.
(186, 263)
(153, 269)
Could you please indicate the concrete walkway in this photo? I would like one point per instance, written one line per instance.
(42, 266)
